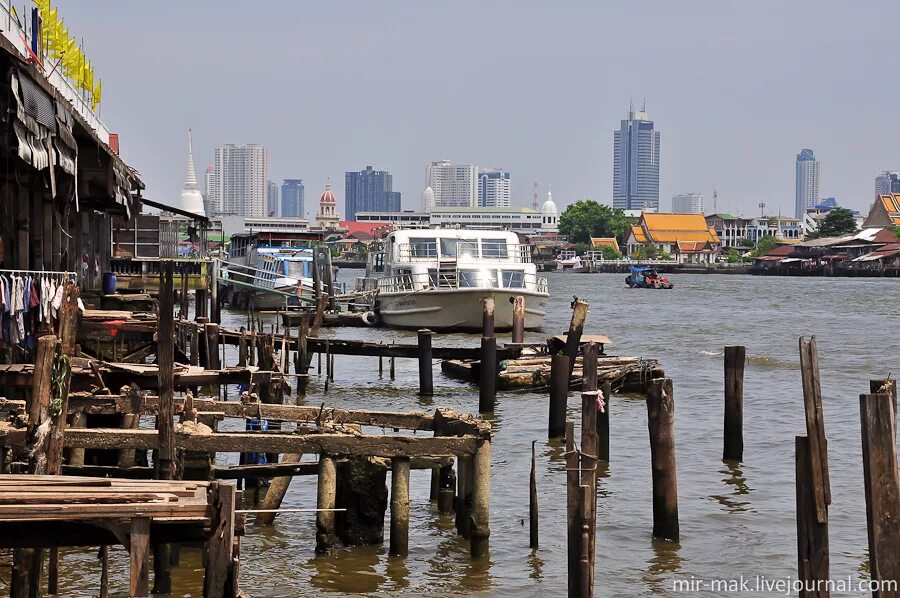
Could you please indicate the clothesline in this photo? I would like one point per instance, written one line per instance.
(37, 272)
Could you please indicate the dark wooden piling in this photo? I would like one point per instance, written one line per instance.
(518, 319)
(242, 348)
(812, 536)
(393, 371)
(326, 533)
(139, 557)
(426, 372)
(886, 386)
(463, 493)
(487, 317)
(399, 543)
(603, 423)
(573, 335)
(487, 387)
(195, 346)
(589, 367)
(573, 527)
(215, 314)
(815, 426)
(661, 424)
(882, 487)
(219, 558)
(446, 489)
(589, 443)
(104, 571)
(533, 528)
(559, 390)
(201, 304)
(165, 421)
(212, 339)
(480, 530)
(734, 403)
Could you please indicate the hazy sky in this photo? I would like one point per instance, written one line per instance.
(735, 88)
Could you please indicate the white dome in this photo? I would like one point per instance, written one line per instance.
(191, 200)
(549, 208)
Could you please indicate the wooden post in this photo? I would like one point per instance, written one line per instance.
(104, 571)
(242, 348)
(487, 387)
(887, 386)
(603, 423)
(463, 492)
(882, 487)
(589, 443)
(326, 535)
(812, 536)
(380, 367)
(276, 492)
(212, 340)
(139, 556)
(195, 345)
(253, 346)
(533, 503)
(392, 369)
(518, 319)
(221, 543)
(815, 426)
(201, 302)
(215, 315)
(480, 530)
(426, 374)
(487, 317)
(573, 527)
(573, 336)
(734, 403)
(68, 319)
(559, 390)
(53, 571)
(589, 367)
(165, 420)
(446, 489)
(399, 506)
(661, 424)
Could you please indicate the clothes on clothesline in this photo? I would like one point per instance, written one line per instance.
(28, 300)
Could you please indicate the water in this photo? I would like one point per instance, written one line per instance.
(734, 521)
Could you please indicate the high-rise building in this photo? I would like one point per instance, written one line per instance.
(887, 182)
(687, 203)
(636, 163)
(271, 199)
(493, 188)
(239, 180)
(369, 191)
(452, 185)
(207, 187)
(807, 182)
(292, 198)
(191, 199)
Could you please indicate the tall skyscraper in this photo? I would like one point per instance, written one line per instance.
(292, 198)
(208, 179)
(807, 182)
(687, 203)
(369, 191)
(271, 199)
(452, 185)
(493, 188)
(239, 180)
(636, 163)
(887, 182)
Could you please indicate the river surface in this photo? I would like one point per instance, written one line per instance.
(734, 520)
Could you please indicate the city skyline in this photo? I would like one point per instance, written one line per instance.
(707, 82)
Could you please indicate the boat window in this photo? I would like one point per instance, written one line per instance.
(467, 249)
(513, 279)
(468, 278)
(294, 269)
(494, 248)
(424, 247)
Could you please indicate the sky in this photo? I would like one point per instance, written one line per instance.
(736, 89)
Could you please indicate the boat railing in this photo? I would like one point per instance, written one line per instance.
(466, 249)
(461, 279)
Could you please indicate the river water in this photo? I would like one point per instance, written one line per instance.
(734, 521)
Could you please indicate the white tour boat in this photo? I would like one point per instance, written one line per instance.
(438, 279)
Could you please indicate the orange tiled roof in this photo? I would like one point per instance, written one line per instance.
(605, 242)
(891, 205)
(692, 246)
(672, 228)
(638, 233)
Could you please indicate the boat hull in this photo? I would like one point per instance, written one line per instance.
(457, 309)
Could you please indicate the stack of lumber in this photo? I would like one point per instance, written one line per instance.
(57, 498)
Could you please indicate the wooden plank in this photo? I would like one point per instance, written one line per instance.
(812, 536)
(139, 557)
(815, 426)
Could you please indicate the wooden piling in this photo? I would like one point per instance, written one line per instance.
(812, 536)
(219, 563)
(882, 487)
(446, 489)
(886, 386)
(589, 367)
(393, 375)
(212, 339)
(242, 348)
(573, 527)
(195, 346)
(487, 387)
(815, 426)
(215, 314)
(487, 317)
(603, 423)
(533, 503)
(139, 557)
(463, 493)
(165, 420)
(661, 424)
(573, 335)
(104, 571)
(201, 304)
(559, 390)
(518, 322)
(275, 494)
(589, 443)
(53, 571)
(426, 373)
(734, 403)
(326, 534)
(480, 529)
(399, 544)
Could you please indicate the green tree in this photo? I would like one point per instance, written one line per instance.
(837, 222)
(587, 218)
(646, 252)
(609, 253)
(764, 246)
(746, 243)
(582, 248)
(733, 256)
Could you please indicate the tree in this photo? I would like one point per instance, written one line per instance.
(733, 256)
(587, 218)
(764, 246)
(608, 253)
(837, 222)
